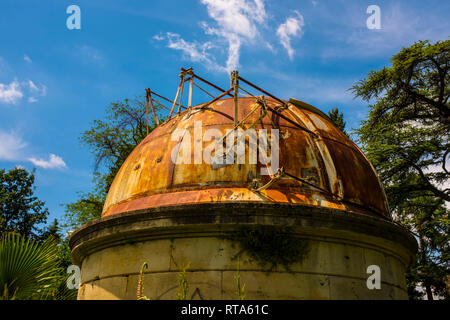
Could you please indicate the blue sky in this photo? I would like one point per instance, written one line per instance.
(54, 81)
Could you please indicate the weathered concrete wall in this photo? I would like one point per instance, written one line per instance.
(341, 247)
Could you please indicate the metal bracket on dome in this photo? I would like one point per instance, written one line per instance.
(281, 173)
(275, 178)
(313, 185)
(148, 95)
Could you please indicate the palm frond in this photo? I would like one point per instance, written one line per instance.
(28, 269)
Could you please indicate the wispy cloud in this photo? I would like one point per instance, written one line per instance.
(35, 91)
(54, 162)
(234, 22)
(291, 28)
(14, 91)
(14, 148)
(158, 37)
(10, 93)
(11, 146)
(194, 51)
(32, 86)
(27, 58)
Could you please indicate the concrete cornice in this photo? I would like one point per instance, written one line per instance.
(219, 220)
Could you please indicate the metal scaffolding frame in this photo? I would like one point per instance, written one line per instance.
(188, 76)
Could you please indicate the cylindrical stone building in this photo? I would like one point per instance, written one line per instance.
(309, 230)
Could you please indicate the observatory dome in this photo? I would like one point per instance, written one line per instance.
(319, 165)
(296, 203)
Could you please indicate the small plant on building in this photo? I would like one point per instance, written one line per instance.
(240, 288)
(140, 285)
(270, 246)
(183, 285)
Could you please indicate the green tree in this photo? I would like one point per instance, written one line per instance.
(52, 231)
(88, 207)
(111, 141)
(64, 260)
(338, 119)
(406, 136)
(20, 210)
(429, 218)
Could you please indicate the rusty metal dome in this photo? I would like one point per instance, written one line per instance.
(321, 166)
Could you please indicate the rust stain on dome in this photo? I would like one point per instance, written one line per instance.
(345, 178)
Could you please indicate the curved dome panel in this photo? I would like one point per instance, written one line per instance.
(322, 166)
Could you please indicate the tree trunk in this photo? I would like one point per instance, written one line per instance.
(429, 292)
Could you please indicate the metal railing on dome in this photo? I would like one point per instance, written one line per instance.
(188, 76)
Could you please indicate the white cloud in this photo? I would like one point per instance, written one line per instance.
(35, 90)
(236, 20)
(158, 37)
(233, 22)
(27, 59)
(11, 146)
(195, 51)
(32, 86)
(291, 28)
(54, 162)
(10, 93)
(236, 16)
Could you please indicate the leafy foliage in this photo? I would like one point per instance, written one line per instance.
(338, 119)
(87, 208)
(271, 245)
(406, 137)
(28, 269)
(20, 210)
(431, 221)
(111, 141)
(407, 131)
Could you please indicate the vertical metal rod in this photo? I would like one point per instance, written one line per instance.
(176, 98)
(181, 94)
(235, 86)
(191, 85)
(147, 92)
(155, 116)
